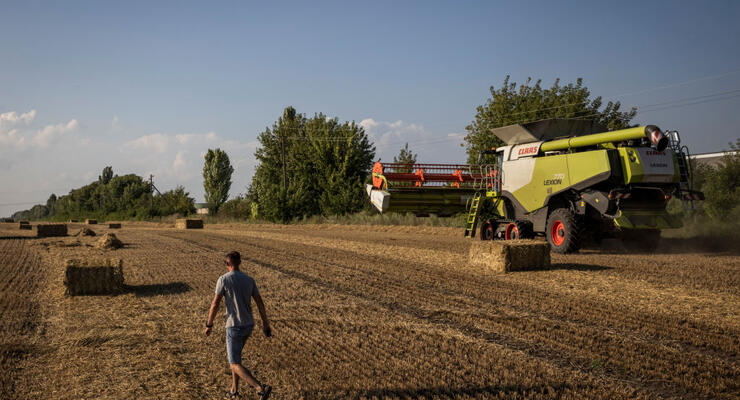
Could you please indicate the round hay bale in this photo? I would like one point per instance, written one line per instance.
(109, 241)
(85, 232)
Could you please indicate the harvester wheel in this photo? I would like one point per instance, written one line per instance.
(518, 230)
(563, 231)
(486, 231)
(512, 231)
(525, 230)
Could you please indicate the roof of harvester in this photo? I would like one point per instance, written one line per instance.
(546, 129)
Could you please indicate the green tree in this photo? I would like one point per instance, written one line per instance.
(106, 175)
(721, 185)
(310, 166)
(405, 156)
(176, 201)
(51, 204)
(512, 103)
(217, 172)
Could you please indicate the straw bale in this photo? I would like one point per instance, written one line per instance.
(114, 225)
(93, 276)
(510, 255)
(91, 221)
(189, 223)
(47, 230)
(109, 241)
(85, 232)
(24, 225)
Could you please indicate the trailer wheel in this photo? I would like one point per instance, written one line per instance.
(563, 231)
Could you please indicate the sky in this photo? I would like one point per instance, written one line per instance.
(148, 87)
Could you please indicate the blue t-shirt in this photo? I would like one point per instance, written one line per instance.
(237, 289)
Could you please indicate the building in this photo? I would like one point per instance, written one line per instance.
(710, 159)
(201, 208)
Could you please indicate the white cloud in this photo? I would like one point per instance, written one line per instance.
(12, 117)
(158, 142)
(44, 137)
(38, 161)
(17, 134)
(389, 137)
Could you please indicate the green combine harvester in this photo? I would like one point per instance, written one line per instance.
(554, 178)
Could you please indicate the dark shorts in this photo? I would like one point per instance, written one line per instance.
(236, 336)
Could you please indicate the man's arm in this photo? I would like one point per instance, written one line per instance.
(212, 313)
(263, 315)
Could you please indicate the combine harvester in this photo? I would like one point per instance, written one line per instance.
(554, 178)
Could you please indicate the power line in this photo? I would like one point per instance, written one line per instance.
(721, 96)
(632, 93)
(676, 84)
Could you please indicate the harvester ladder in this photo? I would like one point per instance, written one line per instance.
(472, 220)
(683, 158)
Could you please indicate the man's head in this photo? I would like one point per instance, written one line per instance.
(233, 259)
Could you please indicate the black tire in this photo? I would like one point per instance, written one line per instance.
(565, 226)
(641, 239)
(486, 231)
(525, 229)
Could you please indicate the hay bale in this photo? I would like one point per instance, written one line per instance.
(93, 277)
(114, 225)
(510, 255)
(48, 230)
(73, 220)
(189, 223)
(85, 232)
(24, 225)
(91, 221)
(109, 241)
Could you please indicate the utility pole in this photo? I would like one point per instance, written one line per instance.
(151, 191)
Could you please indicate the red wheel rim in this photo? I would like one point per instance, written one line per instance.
(512, 232)
(557, 233)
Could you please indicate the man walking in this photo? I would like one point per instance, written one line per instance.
(237, 290)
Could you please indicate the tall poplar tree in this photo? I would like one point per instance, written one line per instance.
(217, 172)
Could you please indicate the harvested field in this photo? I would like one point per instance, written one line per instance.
(371, 312)
(189, 223)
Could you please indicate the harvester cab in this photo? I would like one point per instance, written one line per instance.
(553, 178)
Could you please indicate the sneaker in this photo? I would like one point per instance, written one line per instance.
(264, 394)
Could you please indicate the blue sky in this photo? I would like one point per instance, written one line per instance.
(147, 87)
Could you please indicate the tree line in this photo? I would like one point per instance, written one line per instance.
(112, 197)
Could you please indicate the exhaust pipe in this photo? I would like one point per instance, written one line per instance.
(658, 139)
